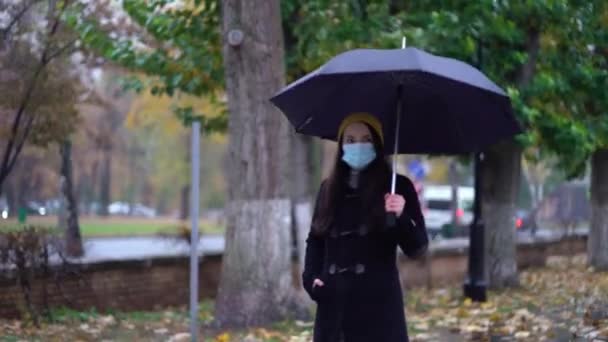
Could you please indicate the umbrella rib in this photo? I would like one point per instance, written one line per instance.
(457, 128)
(335, 91)
(454, 120)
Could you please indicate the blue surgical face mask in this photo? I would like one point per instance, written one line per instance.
(358, 155)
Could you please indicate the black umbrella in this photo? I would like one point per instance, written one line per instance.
(449, 106)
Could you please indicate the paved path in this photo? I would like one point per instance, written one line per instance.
(142, 248)
(525, 237)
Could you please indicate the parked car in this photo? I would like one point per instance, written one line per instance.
(437, 207)
(36, 209)
(124, 209)
(3, 209)
(525, 221)
(52, 206)
(118, 208)
(143, 211)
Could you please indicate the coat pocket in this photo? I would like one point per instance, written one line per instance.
(319, 293)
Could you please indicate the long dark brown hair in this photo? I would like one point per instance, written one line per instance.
(373, 184)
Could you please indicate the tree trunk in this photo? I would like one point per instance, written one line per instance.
(302, 171)
(105, 182)
(256, 284)
(301, 178)
(330, 149)
(69, 222)
(11, 198)
(21, 186)
(536, 174)
(500, 187)
(532, 186)
(501, 179)
(302, 168)
(597, 245)
(134, 178)
(184, 205)
(92, 194)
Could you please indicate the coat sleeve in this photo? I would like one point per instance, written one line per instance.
(411, 230)
(314, 255)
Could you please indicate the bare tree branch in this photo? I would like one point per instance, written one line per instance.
(532, 48)
(60, 50)
(5, 167)
(28, 127)
(13, 148)
(16, 18)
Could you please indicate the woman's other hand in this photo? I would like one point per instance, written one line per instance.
(317, 282)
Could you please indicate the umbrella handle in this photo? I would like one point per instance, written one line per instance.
(391, 220)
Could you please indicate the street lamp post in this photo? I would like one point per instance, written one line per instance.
(475, 284)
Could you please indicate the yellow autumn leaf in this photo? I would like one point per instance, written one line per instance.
(473, 328)
(147, 109)
(495, 317)
(462, 313)
(225, 337)
(487, 305)
(265, 334)
(422, 326)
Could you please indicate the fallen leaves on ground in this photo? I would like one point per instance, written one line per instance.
(563, 301)
(69, 325)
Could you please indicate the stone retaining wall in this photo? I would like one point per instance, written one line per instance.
(154, 284)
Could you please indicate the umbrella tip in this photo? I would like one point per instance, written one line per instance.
(403, 42)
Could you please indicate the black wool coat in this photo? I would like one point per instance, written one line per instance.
(362, 298)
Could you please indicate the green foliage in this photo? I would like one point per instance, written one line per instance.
(550, 55)
(575, 92)
(63, 315)
(317, 30)
(12, 232)
(183, 54)
(553, 96)
(187, 115)
(559, 97)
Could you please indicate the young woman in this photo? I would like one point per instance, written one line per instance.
(350, 268)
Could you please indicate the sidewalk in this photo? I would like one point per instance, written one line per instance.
(148, 247)
(102, 249)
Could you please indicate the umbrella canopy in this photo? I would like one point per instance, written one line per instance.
(447, 106)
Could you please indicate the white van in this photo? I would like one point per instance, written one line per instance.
(437, 202)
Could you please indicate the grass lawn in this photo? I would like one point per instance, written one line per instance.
(565, 301)
(120, 226)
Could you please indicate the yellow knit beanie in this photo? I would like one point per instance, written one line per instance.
(367, 118)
